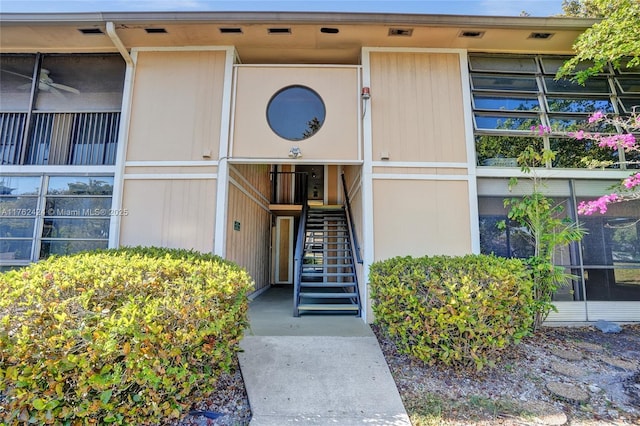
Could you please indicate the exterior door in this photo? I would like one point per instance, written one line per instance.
(282, 250)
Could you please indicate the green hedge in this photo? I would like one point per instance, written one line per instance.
(461, 311)
(128, 336)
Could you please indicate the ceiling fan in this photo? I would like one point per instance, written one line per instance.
(46, 83)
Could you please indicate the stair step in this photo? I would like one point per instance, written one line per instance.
(327, 265)
(327, 307)
(336, 295)
(327, 274)
(325, 284)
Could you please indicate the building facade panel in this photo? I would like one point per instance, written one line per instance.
(417, 107)
(177, 104)
(420, 217)
(337, 138)
(169, 211)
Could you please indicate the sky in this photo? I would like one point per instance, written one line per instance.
(540, 8)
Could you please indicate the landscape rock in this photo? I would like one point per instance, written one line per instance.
(568, 355)
(567, 392)
(607, 326)
(567, 369)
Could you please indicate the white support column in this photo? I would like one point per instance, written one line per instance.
(474, 224)
(367, 185)
(123, 136)
(220, 236)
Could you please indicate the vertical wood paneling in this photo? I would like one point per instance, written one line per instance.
(177, 105)
(421, 217)
(249, 247)
(169, 213)
(417, 106)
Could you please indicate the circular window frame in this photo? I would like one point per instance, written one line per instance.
(284, 133)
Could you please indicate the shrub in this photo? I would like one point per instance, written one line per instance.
(460, 311)
(128, 336)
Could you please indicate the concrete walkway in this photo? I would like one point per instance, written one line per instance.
(314, 370)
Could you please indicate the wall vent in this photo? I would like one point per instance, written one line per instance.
(471, 34)
(403, 32)
(155, 30)
(230, 30)
(541, 36)
(90, 30)
(328, 30)
(279, 30)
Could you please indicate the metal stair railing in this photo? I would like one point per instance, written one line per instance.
(298, 259)
(352, 230)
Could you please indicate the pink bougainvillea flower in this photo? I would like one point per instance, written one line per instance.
(596, 116)
(589, 207)
(540, 129)
(626, 141)
(632, 181)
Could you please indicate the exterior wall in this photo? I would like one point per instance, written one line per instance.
(417, 107)
(249, 205)
(169, 212)
(177, 105)
(420, 217)
(171, 168)
(420, 183)
(336, 140)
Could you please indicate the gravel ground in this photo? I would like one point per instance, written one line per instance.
(579, 361)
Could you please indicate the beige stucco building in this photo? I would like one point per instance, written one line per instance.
(179, 130)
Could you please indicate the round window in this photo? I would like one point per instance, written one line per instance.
(295, 113)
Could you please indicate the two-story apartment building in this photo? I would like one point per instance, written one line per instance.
(208, 131)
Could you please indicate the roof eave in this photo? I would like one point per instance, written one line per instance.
(556, 23)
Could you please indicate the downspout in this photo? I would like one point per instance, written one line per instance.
(123, 139)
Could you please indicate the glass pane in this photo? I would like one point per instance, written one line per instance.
(625, 69)
(567, 123)
(506, 122)
(592, 85)
(67, 185)
(507, 104)
(633, 157)
(520, 241)
(492, 239)
(628, 85)
(502, 151)
(551, 65)
(628, 104)
(48, 248)
(503, 63)
(16, 73)
(76, 228)
(20, 185)
(612, 237)
(579, 105)
(81, 83)
(77, 206)
(615, 284)
(504, 82)
(296, 113)
(17, 228)
(15, 249)
(572, 153)
(18, 206)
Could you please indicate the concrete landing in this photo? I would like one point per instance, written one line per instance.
(329, 370)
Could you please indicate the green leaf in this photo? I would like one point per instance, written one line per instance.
(105, 396)
(39, 404)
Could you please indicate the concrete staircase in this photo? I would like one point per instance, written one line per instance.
(327, 280)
